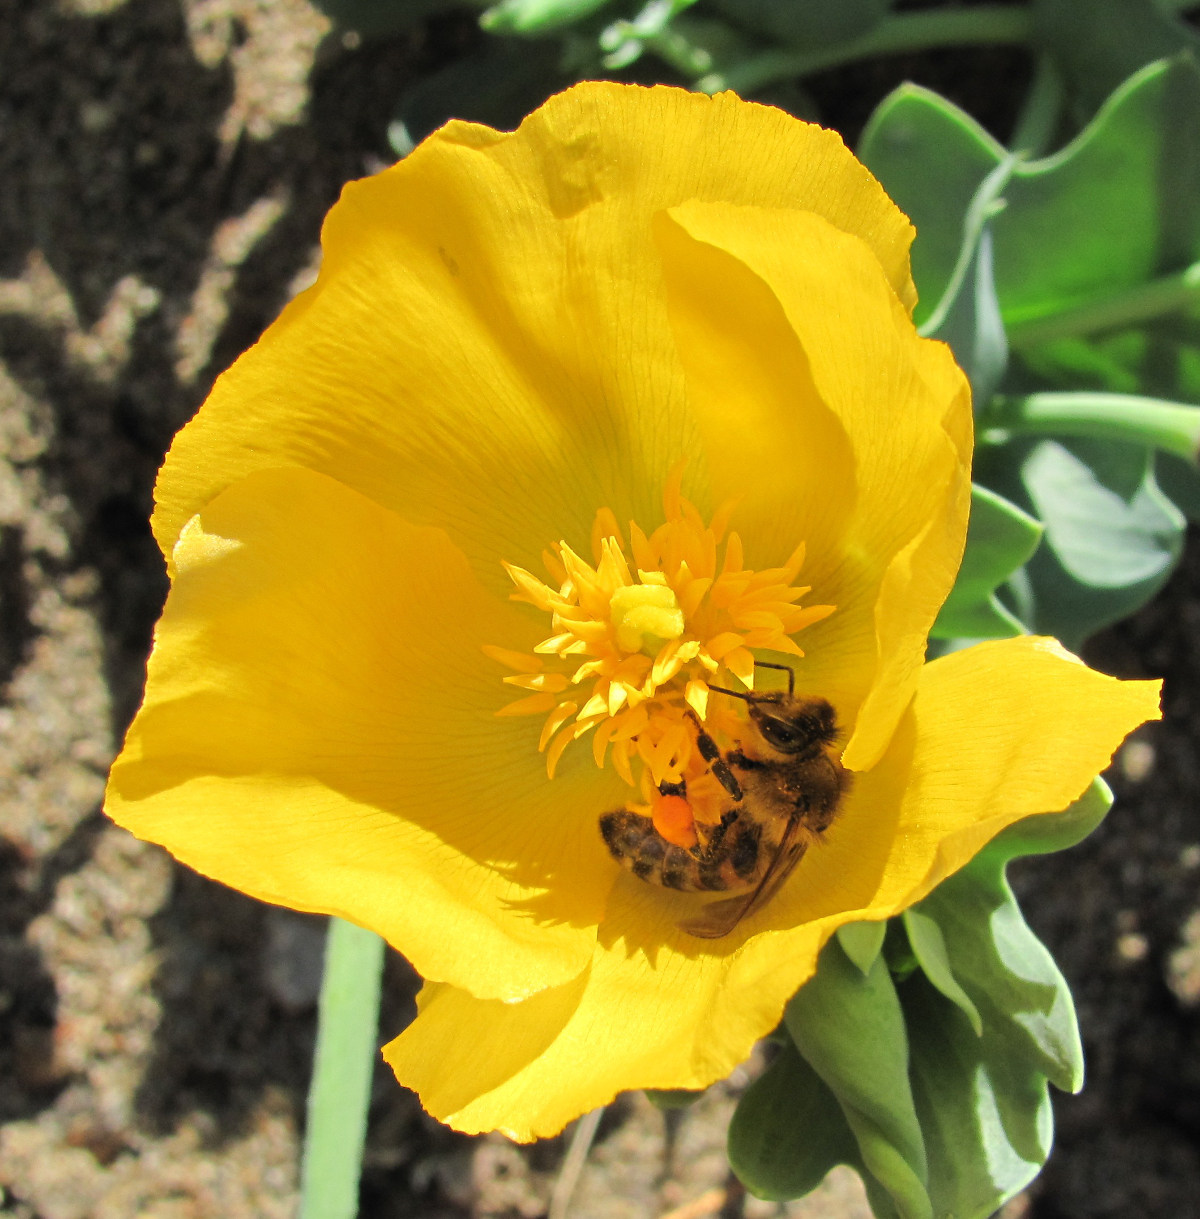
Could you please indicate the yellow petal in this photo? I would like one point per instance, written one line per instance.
(654, 1011)
(486, 348)
(995, 733)
(838, 425)
(319, 731)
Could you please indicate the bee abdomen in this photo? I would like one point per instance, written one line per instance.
(738, 862)
(746, 851)
(636, 845)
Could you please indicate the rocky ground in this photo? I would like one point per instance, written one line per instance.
(164, 165)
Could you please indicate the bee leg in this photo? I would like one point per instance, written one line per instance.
(726, 778)
(673, 789)
(735, 757)
(711, 848)
(710, 752)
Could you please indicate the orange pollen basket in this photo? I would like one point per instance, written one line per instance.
(674, 820)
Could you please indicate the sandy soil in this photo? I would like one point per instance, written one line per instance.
(163, 170)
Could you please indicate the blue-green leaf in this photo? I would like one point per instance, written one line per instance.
(929, 947)
(987, 1117)
(968, 316)
(692, 46)
(1002, 1026)
(1021, 1001)
(1117, 206)
(850, 1029)
(498, 84)
(1180, 483)
(1116, 38)
(862, 942)
(1093, 219)
(931, 157)
(788, 1130)
(812, 24)
(1000, 538)
(536, 17)
(1046, 833)
(1111, 538)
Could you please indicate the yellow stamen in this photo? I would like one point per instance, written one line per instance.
(638, 635)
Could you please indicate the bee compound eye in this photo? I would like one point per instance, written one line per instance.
(780, 734)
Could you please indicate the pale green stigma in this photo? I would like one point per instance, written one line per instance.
(645, 617)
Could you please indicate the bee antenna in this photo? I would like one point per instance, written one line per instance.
(767, 664)
(733, 693)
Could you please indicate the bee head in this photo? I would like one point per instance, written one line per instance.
(793, 725)
(790, 724)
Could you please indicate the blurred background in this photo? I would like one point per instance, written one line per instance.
(164, 168)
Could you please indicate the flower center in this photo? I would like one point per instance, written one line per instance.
(645, 616)
(638, 635)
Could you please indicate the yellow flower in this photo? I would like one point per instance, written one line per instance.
(647, 364)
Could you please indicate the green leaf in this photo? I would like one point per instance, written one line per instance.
(1117, 38)
(987, 1118)
(1000, 538)
(498, 84)
(813, 24)
(1136, 328)
(1045, 833)
(850, 1029)
(1159, 357)
(1041, 111)
(1020, 999)
(1002, 1026)
(862, 942)
(1094, 218)
(931, 158)
(788, 1131)
(929, 947)
(968, 315)
(536, 17)
(691, 46)
(1111, 536)
(1180, 483)
(1116, 207)
(951, 1063)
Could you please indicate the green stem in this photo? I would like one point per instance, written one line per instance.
(1041, 111)
(985, 24)
(1173, 427)
(347, 1029)
(1170, 294)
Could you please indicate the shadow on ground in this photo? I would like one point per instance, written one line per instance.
(144, 242)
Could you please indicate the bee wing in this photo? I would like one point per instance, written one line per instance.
(719, 918)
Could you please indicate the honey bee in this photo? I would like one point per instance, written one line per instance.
(784, 784)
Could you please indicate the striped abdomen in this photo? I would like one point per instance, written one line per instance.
(733, 858)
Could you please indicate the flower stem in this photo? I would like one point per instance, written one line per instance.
(1141, 303)
(1171, 426)
(347, 1026)
(568, 1177)
(979, 26)
(1041, 111)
